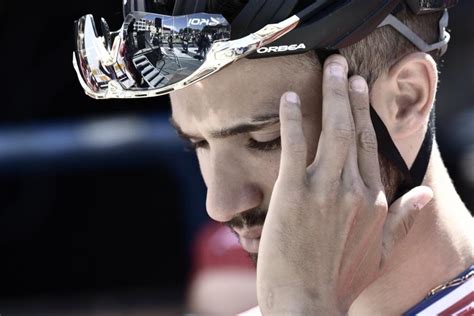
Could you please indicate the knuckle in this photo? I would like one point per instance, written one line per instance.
(355, 197)
(330, 185)
(320, 201)
(339, 94)
(368, 141)
(360, 105)
(343, 133)
(326, 191)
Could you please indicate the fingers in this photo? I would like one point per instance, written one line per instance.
(401, 216)
(293, 143)
(367, 154)
(337, 123)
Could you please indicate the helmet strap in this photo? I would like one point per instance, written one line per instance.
(413, 177)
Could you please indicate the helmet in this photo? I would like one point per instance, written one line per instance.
(326, 24)
(132, 62)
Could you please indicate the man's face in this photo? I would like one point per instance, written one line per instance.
(232, 119)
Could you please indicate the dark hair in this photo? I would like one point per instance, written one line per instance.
(382, 48)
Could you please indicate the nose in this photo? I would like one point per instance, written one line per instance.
(230, 190)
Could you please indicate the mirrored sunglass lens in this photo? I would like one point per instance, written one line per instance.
(151, 51)
(163, 50)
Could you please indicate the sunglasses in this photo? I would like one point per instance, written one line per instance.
(154, 54)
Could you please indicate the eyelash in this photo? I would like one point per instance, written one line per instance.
(265, 146)
(252, 144)
(190, 146)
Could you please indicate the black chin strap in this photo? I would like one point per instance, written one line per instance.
(420, 166)
(411, 177)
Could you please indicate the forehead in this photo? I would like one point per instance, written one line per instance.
(248, 88)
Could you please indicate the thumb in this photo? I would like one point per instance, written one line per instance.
(401, 216)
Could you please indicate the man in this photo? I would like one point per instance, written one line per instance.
(170, 41)
(241, 170)
(290, 158)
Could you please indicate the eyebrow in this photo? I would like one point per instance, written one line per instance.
(255, 124)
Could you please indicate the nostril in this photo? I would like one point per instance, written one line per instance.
(224, 203)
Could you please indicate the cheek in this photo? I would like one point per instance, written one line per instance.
(265, 170)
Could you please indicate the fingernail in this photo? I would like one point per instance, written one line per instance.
(426, 196)
(423, 201)
(358, 85)
(292, 97)
(336, 70)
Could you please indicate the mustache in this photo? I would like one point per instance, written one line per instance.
(252, 217)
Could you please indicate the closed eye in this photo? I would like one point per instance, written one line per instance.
(265, 146)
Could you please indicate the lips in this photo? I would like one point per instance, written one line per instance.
(249, 237)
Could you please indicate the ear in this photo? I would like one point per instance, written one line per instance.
(403, 98)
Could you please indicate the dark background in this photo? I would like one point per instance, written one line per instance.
(98, 199)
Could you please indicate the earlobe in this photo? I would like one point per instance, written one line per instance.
(410, 88)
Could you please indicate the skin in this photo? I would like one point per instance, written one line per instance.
(324, 174)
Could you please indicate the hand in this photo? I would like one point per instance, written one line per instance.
(328, 231)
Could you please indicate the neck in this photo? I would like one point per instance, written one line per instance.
(438, 248)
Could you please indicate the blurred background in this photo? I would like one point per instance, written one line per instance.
(102, 211)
